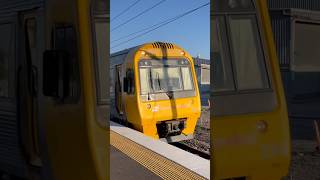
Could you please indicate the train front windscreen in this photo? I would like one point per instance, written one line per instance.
(163, 76)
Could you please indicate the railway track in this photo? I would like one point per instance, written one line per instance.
(192, 150)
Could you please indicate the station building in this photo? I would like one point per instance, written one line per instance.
(296, 28)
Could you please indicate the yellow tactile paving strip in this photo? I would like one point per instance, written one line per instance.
(159, 165)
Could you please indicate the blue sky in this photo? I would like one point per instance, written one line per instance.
(191, 32)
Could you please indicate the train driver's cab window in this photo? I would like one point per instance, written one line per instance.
(240, 68)
(100, 32)
(6, 57)
(222, 69)
(247, 53)
(239, 62)
(165, 76)
(144, 80)
(102, 52)
(186, 78)
(166, 79)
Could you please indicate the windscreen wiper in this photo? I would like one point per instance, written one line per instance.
(158, 80)
(151, 84)
(168, 93)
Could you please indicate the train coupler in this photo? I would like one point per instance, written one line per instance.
(171, 128)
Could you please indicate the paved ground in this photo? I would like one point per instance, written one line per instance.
(124, 168)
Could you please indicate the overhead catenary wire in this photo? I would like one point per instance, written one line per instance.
(161, 25)
(144, 29)
(125, 10)
(136, 16)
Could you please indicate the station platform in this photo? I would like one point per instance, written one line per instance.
(123, 167)
(136, 156)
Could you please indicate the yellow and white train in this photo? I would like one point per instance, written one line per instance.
(154, 90)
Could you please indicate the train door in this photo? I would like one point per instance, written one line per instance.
(19, 50)
(118, 89)
(12, 160)
(129, 98)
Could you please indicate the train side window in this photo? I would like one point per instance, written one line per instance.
(130, 81)
(117, 80)
(100, 23)
(62, 79)
(249, 61)
(240, 64)
(6, 58)
(112, 80)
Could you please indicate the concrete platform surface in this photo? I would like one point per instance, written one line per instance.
(124, 168)
(188, 160)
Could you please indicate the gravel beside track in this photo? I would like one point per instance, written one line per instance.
(305, 161)
(201, 139)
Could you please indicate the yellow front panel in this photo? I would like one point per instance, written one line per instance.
(145, 115)
(240, 149)
(188, 108)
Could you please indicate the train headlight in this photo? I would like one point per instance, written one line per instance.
(182, 53)
(145, 63)
(143, 53)
(183, 62)
(148, 106)
(262, 126)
